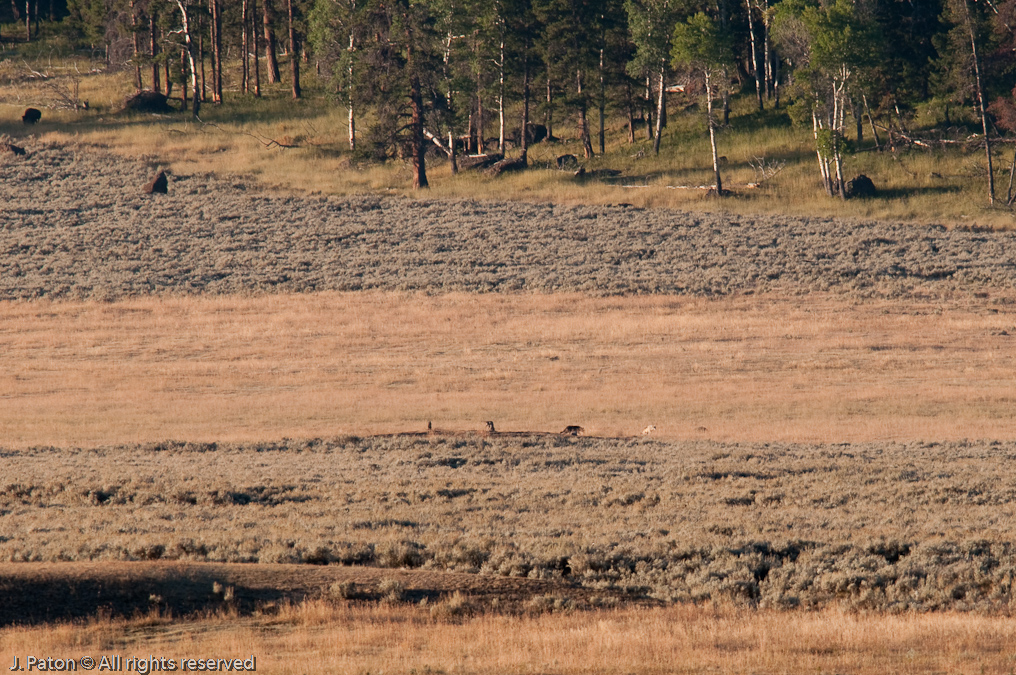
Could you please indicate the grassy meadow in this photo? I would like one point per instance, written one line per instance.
(303, 146)
(748, 369)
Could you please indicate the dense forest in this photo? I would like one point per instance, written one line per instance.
(474, 75)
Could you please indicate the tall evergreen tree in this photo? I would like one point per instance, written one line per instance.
(568, 43)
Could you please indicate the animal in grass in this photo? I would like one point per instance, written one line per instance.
(31, 116)
(572, 430)
(430, 427)
(490, 427)
(648, 430)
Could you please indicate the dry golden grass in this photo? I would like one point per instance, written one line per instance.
(319, 637)
(812, 368)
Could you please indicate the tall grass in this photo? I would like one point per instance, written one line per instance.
(319, 638)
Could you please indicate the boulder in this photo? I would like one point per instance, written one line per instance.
(31, 116)
(158, 184)
(567, 162)
(536, 133)
(11, 148)
(861, 187)
(148, 101)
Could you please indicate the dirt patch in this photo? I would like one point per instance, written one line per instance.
(76, 225)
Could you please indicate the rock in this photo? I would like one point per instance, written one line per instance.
(148, 101)
(11, 148)
(861, 187)
(31, 116)
(158, 184)
(536, 132)
(567, 162)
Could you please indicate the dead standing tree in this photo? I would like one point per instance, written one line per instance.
(191, 49)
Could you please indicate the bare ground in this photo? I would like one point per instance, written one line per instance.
(75, 224)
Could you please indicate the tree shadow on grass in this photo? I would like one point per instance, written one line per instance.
(889, 194)
(45, 597)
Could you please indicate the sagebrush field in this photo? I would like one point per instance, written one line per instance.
(877, 526)
(215, 412)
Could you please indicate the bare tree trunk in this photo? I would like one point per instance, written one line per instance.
(28, 20)
(271, 48)
(548, 120)
(755, 65)
(183, 71)
(603, 107)
(189, 40)
(153, 32)
(452, 153)
(858, 122)
(767, 52)
(167, 71)
(776, 81)
(201, 59)
(294, 59)
(418, 150)
(500, 96)
(649, 107)
(980, 101)
(660, 103)
(257, 47)
(1012, 170)
(244, 47)
(823, 164)
(481, 142)
(216, 51)
(138, 82)
(712, 135)
(587, 145)
(871, 122)
(349, 96)
(525, 107)
(630, 107)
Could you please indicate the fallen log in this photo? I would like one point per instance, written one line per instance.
(437, 142)
(477, 162)
(506, 164)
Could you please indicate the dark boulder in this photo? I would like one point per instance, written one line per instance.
(148, 101)
(11, 148)
(536, 133)
(158, 184)
(861, 187)
(31, 116)
(567, 162)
